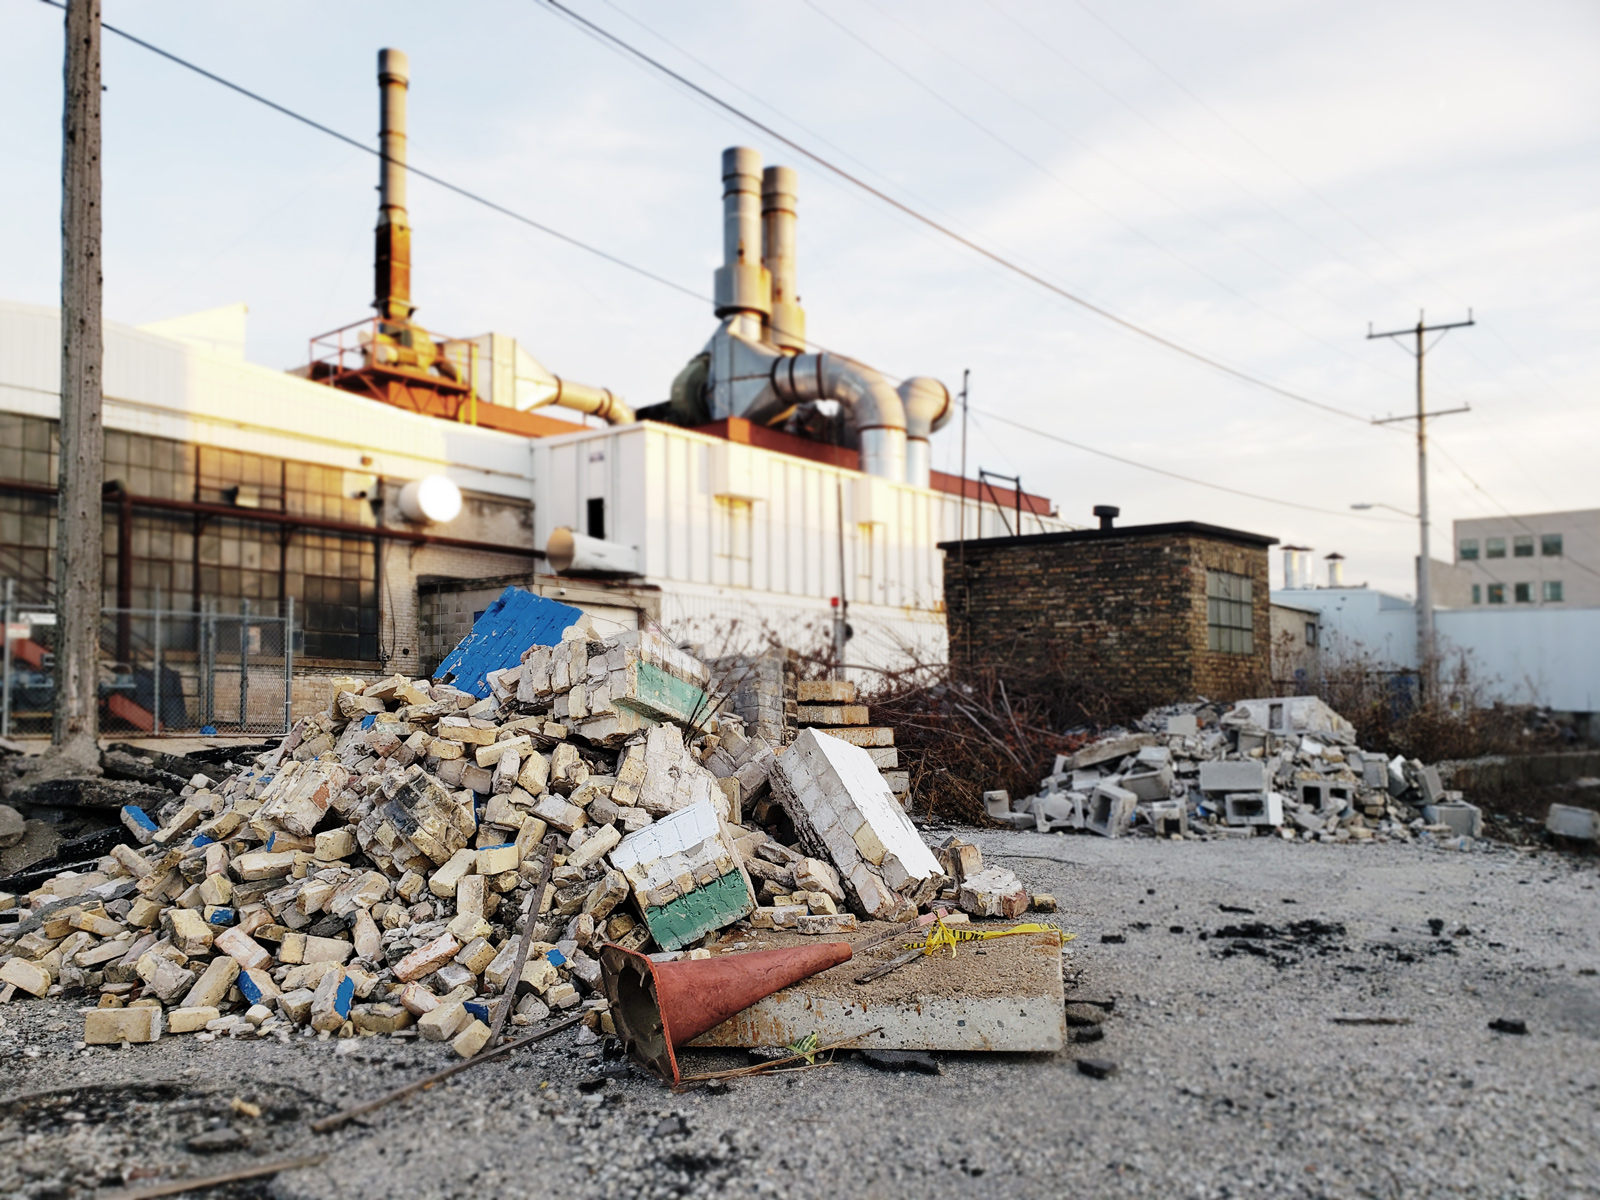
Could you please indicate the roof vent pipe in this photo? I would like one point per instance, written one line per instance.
(779, 188)
(742, 283)
(1335, 563)
(928, 408)
(392, 294)
(1108, 513)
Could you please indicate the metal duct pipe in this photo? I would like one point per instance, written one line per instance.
(742, 283)
(875, 407)
(928, 408)
(779, 200)
(392, 294)
(580, 397)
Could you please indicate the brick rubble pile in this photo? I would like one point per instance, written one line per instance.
(369, 874)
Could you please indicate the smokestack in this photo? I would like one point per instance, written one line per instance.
(742, 283)
(1296, 567)
(1335, 563)
(779, 188)
(392, 297)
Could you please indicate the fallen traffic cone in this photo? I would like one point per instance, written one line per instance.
(659, 1006)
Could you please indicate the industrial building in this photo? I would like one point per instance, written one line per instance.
(397, 481)
(1538, 558)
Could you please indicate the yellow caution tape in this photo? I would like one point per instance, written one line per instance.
(943, 936)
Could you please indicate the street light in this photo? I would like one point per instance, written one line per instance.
(1390, 507)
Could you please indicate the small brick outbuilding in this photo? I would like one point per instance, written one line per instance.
(1143, 612)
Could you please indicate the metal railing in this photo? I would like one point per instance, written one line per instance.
(163, 671)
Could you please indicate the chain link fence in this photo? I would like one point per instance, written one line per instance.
(163, 671)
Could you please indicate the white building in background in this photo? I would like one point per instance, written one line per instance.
(249, 483)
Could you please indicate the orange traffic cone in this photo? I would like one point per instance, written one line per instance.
(658, 1007)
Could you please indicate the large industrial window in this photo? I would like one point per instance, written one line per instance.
(1230, 624)
(1468, 549)
(1550, 545)
(190, 560)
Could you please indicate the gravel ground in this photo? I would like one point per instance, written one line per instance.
(1233, 1078)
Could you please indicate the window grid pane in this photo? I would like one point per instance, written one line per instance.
(1230, 617)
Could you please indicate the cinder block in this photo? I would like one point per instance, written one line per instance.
(1168, 817)
(1465, 820)
(1110, 810)
(1250, 776)
(1253, 808)
(1183, 725)
(1565, 820)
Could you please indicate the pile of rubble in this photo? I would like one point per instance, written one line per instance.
(1287, 766)
(375, 871)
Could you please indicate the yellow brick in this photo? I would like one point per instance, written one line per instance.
(471, 1039)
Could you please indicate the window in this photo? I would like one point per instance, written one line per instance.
(1230, 620)
(1522, 545)
(1497, 593)
(1494, 547)
(1477, 594)
(1311, 633)
(735, 549)
(1524, 593)
(1468, 549)
(597, 517)
(1552, 591)
(1550, 545)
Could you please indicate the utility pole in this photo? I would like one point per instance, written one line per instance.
(966, 592)
(1426, 648)
(79, 554)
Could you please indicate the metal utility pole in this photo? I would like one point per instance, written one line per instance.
(1425, 643)
(966, 592)
(79, 554)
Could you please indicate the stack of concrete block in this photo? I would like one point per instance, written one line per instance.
(762, 690)
(1287, 765)
(829, 706)
(843, 811)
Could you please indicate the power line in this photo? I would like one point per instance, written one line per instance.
(1205, 483)
(475, 197)
(1049, 173)
(611, 258)
(953, 235)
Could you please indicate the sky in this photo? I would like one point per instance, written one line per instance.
(1256, 182)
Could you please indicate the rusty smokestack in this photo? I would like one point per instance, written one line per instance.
(392, 297)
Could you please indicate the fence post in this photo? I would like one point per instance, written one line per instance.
(288, 668)
(208, 674)
(5, 688)
(156, 674)
(244, 664)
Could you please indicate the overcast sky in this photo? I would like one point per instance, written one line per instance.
(1255, 181)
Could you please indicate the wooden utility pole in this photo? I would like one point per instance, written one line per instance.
(79, 554)
(1426, 648)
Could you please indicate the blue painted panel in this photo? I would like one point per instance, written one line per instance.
(517, 620)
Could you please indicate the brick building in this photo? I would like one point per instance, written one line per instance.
(1139, 613)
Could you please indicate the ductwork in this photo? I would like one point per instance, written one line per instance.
(754, 365)
(874, 407)
(580, 397)
(928, 409)
(392, 295)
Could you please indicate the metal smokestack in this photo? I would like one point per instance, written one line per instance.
(392, 296)
(779, 199)
(742, 283)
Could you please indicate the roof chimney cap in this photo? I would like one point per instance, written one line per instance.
(1108, 513)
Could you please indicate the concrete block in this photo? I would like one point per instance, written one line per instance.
(1329, 797)
(1253, 808)
(1168, 817)
(190, 1020)
(826, 691)
(825, 923)
(1183, 725)
(1063, 810)
(1581, 824)
(1465, 820)
(112, 1026)
(1111, 808)
(994, 892)
(1250, 776)
(1153, 784)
